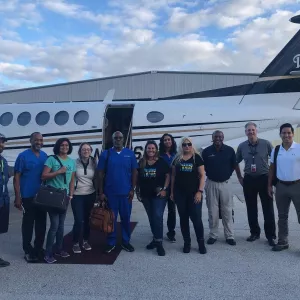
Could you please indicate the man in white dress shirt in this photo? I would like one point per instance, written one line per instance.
(285, 170)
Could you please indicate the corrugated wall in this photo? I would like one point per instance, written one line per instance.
(136, 86)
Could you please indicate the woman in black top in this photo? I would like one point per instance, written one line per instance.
(188, 181)
(153, 181)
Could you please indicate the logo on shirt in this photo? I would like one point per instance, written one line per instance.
(150, 173)
(186, 167)
(212, 155)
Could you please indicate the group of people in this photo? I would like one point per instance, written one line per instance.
(165, 176)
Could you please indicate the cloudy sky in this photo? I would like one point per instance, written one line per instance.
(51, 41)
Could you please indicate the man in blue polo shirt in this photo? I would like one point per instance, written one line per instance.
(27, 181)
(119, 166)
(219, 164)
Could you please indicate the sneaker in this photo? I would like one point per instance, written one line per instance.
(171, 237)
(127, 247)
(186, 248)
(109, 248)
(3, 263)
(49, 259)
(29, 257)
(280, 246)
(76, 248)
(231, 242)
(151, 245)
(86, 246)
(62, 254)
(211, 241)
(160, 249)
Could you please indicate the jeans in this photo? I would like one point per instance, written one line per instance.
(252, 187)
(155, 208)
(187, 209)
(56, 230)
(81, 207)
(37, 218)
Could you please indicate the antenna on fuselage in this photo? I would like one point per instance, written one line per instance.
(109, 96)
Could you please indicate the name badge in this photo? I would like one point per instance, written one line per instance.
(253, 168)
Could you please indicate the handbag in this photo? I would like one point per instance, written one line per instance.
(50, 198)
(102, 218)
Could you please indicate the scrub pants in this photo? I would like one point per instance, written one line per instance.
(120, 204)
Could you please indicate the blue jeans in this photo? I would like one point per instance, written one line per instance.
(56, 230)
(81, 207)
(120, 204)
(155, 208)
(187, 209)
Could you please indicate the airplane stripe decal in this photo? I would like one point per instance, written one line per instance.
(60, 134)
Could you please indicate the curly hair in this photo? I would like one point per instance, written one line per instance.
(56, 148)
(162, 145)
(144, 159)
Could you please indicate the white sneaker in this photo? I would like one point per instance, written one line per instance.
(86, 246)
(76, 248)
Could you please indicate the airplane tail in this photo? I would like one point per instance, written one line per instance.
(282, 75)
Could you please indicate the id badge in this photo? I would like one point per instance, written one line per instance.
(253, 168)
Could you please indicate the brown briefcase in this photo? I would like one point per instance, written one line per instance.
(102, 217)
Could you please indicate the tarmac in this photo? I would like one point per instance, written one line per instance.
(245, 271)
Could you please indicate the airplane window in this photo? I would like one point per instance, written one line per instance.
(155, 116)
(81, 117)
(24, 118)
(42, 118)
(61, 118)
(6, 119)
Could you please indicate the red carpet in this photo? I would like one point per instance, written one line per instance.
(96, 255)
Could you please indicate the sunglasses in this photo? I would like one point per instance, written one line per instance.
(186, 144)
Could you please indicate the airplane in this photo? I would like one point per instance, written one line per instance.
(273, 99)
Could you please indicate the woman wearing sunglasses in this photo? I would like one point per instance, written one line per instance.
(153, 180)
(187, 186)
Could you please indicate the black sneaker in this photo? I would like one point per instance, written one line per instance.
(252, 238)
(231, 242)
(280, 247)
(151, 245)
(3, 263)
(171, 237)
(30, 258)
(271, 242)
(211, 241)
(187, 248)
(127, 247)
(160, 249)
(109, 248)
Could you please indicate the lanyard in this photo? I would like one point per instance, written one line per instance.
(253, 153)
(85, 166)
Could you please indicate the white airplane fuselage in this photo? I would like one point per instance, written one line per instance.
(197, 118)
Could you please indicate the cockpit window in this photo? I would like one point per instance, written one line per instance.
(24, 118)
(81, 117)
(42, 118)
(155, 116)
(6, 119)
(61, 118)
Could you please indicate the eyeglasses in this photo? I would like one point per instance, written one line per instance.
(186, 144)
(86, 150)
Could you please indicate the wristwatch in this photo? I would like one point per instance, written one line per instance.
(164, 189)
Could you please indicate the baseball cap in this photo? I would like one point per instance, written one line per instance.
(2, 137)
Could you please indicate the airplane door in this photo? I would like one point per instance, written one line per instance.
(117, 118)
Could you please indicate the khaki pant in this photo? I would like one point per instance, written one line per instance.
(216, 193)
(284, 195)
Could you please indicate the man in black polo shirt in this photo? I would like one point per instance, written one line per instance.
(219, 163)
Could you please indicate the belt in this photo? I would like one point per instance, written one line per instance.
(289, 182)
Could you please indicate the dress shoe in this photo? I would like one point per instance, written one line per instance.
(252, 238)
(280, 246)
